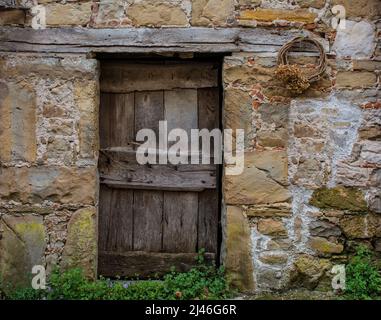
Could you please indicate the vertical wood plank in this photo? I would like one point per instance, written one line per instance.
(104, 120)
(181, 109)
(149, 110)
(180, 221)
(208, 221)
(148, 205)
(208, 108)
(148, 219)
(122, 120)
(104, 216)
(120, 235)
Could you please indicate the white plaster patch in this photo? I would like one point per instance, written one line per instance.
(356, 41)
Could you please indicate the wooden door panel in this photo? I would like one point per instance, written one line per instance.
(153, 217)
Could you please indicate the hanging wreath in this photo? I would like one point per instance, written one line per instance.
(291, 74)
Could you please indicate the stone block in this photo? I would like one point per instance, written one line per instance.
(270, 15)
(156, 13)
(17, 122)
(317, 4)
(324, 229)
(238, 113)
(238, 260)
(212, 12)
(87, 100)
(361, 227)
(323, 246)
(273, 258)
(263, 181)
(272, 227)
(62, 185)
(341, 198)
(22, 246)
(80, 249)
(358, 79)
(68, 14)
(12, 17)
(360, 8)
(309, 271)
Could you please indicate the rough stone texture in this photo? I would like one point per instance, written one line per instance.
(58, 14)
(22, 246)
(360, 227)
(324, 229)
(238, 261)
(342, 198)
(300, 150)
(323, 246)
(17, 122)
(355, 41)
(361, 79)
(212, 12)
(49, 183)
(81, 245)
(269, 15)
(263, 180)
(87, 99)
(272, 227)
(309, 271)
(12, 17)
(317, 4)
(273, 258)
(360, 8)
(238, 113)
(156, 13)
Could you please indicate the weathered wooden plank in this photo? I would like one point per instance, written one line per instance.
(127, 159)
(105, 194)
(149, 110)
(126, 77)
(180, 222)
(208, 108)
(194, 39)
(116, 219)
(181, 109)
(208, 220)
(154, 177)
(117, 120)
(146, 264)
(148, 220)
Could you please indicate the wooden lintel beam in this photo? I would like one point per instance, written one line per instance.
(144, 40)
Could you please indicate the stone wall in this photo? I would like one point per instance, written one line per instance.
(48, 154)
(310, 190)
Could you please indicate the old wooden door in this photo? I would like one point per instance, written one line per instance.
(153, 217)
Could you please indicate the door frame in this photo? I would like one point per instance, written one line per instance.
(183, 57)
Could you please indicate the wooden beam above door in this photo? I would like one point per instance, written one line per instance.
(144, 40)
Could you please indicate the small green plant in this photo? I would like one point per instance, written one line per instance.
(201, 282)
(363, 279)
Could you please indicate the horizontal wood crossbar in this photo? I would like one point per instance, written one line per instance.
(144, 264)
(144, 40)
